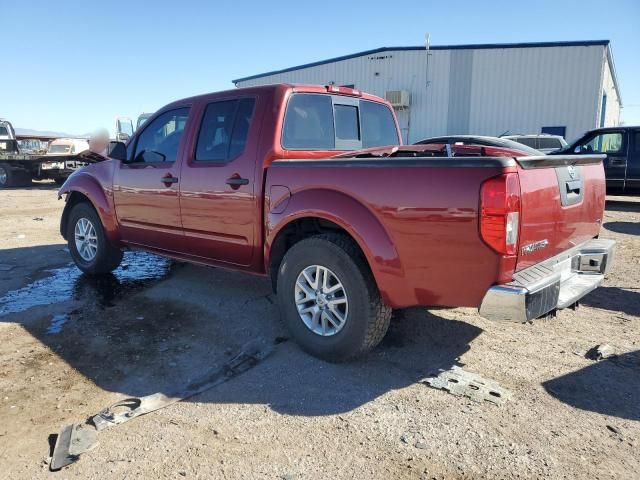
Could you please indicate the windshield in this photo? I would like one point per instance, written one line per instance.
(59, 148)
(125, 126)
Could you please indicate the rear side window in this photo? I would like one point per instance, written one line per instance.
(224, 130)
(529, 142)
(549, 143)
(378, 125)
(308, 123)
(326, 122)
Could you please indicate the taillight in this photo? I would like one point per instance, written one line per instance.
(500, 213)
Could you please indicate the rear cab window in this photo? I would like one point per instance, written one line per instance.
(335, 122)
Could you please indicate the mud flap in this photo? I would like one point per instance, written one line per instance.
(76, 439)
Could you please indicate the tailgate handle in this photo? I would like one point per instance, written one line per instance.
(574, 186)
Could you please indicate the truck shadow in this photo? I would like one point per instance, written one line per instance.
(628, 228)
(609, 387)
(153, 326)
(615, 299)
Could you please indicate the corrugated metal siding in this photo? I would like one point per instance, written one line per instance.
(475, 91)
(523, 90)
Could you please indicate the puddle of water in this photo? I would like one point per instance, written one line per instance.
(67, 283)
(56, 323)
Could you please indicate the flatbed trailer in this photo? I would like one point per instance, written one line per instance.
(18, 170)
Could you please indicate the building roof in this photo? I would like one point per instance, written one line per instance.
(583, 43)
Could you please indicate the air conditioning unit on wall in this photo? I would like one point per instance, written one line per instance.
(398, 98)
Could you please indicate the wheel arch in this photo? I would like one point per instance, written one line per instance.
(319, 211)
(85, 189)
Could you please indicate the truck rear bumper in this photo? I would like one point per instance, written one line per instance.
(556, 283)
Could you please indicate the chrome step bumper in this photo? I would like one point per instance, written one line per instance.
(558, 282)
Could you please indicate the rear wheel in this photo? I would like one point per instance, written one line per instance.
(88, 244)
(329, 300)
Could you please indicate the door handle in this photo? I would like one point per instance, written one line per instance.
(169, 179)
(237, 181)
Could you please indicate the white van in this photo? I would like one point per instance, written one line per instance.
(67, 146)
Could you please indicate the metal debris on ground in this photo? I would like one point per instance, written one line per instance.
(79, 438)
(459, 382)
(600, 352)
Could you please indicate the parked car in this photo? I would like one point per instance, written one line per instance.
(248, 179)
(621, 145)
(480, 140)
(544, 142)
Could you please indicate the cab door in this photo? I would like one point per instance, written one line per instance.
(218, 201)
(633, 161)
(146, 187)
(613, 143)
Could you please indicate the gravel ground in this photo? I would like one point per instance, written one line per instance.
(70, 346)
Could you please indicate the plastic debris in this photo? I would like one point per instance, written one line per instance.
(600, 352)
(459, 382)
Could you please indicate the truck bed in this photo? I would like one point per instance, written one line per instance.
(426, 217)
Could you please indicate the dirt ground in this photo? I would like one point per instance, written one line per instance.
(71, 345)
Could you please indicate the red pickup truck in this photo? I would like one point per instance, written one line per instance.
(299, 183)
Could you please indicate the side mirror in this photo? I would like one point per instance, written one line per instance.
(117, 151)
(577, 149)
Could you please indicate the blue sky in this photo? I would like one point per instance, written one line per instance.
(72, 66)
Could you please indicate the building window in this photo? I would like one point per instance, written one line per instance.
(562, 131)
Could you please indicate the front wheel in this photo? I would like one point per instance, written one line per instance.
(329, 300)
(88, 244)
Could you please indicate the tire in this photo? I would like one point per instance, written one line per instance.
(106, 257)
(7, 176)
(365, 316)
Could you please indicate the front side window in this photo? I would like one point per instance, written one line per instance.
(160, 140)
(603, 143)
(378, 125)
(224, 130)
(308, 123)
(4, 131)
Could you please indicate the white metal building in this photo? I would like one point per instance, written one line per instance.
(561, 87)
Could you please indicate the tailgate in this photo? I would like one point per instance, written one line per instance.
(562, 204)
